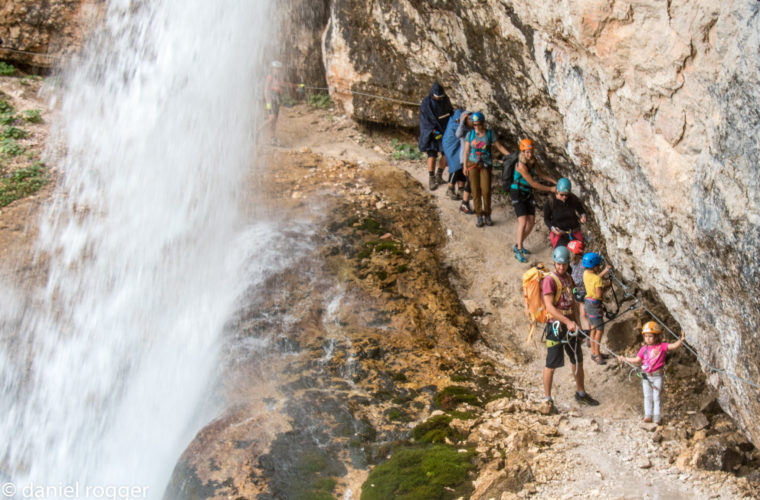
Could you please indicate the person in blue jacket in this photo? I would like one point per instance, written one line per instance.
(435, 111)
(453, 149)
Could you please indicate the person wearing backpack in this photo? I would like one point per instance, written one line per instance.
(463, 130)
(453, 148)
(563, 214)
(521, 192)
(561, 327)
(478, 163)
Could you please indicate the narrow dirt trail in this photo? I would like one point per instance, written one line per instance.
(607, 451)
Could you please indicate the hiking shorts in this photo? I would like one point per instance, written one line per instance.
(522, 202)
(555, 355)
(457, 176)
(594, 313)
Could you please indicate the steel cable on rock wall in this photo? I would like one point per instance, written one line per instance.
(704, 362)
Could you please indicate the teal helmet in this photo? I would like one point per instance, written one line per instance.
(561, 255)
(563, 185)
(478, 117)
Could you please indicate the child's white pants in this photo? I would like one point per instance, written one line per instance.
(652, 387)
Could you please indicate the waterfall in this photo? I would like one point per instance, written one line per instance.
(106, 368)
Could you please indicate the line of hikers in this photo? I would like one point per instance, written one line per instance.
(461, 140)
(568, 299)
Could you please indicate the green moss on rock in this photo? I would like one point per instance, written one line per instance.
(417, 473)
(452, 396)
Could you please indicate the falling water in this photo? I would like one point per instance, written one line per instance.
(105, 369)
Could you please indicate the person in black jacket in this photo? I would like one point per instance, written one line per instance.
(563, 214)
(435, 111)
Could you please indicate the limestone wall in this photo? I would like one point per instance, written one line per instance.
(40, 34)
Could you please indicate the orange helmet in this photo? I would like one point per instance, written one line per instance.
(575, 246)
(651, 327)
(526, 144)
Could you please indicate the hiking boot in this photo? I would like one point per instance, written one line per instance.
(586, 399)
(647, 420)
(479, 222)
(519, 255)
(465, 208)
(657, 420)
(439, 178)
(598, 359)
(488, 220)
(451, 193)
(432, 183)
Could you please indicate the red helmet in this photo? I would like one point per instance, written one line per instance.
(575, 246)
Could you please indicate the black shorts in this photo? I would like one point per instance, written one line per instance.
(457, 176)
(555, 355)
(522, 202)
(467, 188)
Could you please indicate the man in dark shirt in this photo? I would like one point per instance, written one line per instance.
(563, 214)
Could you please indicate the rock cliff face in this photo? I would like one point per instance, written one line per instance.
(40, 34)
(649, 107)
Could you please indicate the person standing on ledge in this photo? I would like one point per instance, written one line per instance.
(521, 192)
(435, 111)
(272, 91)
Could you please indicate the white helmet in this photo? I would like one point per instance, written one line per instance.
(276, 64)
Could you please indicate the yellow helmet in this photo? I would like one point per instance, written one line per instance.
(651, 327)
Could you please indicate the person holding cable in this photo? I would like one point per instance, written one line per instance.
(651, 357)
(521, 192)
(272, 97)
(563, 214)
(562, 328)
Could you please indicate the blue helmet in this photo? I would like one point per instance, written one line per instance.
(591, 260)
(477, 117)
(563, 185)
(561, 255)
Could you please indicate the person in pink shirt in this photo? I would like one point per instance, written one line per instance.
(651, 356)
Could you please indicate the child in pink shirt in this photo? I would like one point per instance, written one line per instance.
(651, 356)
